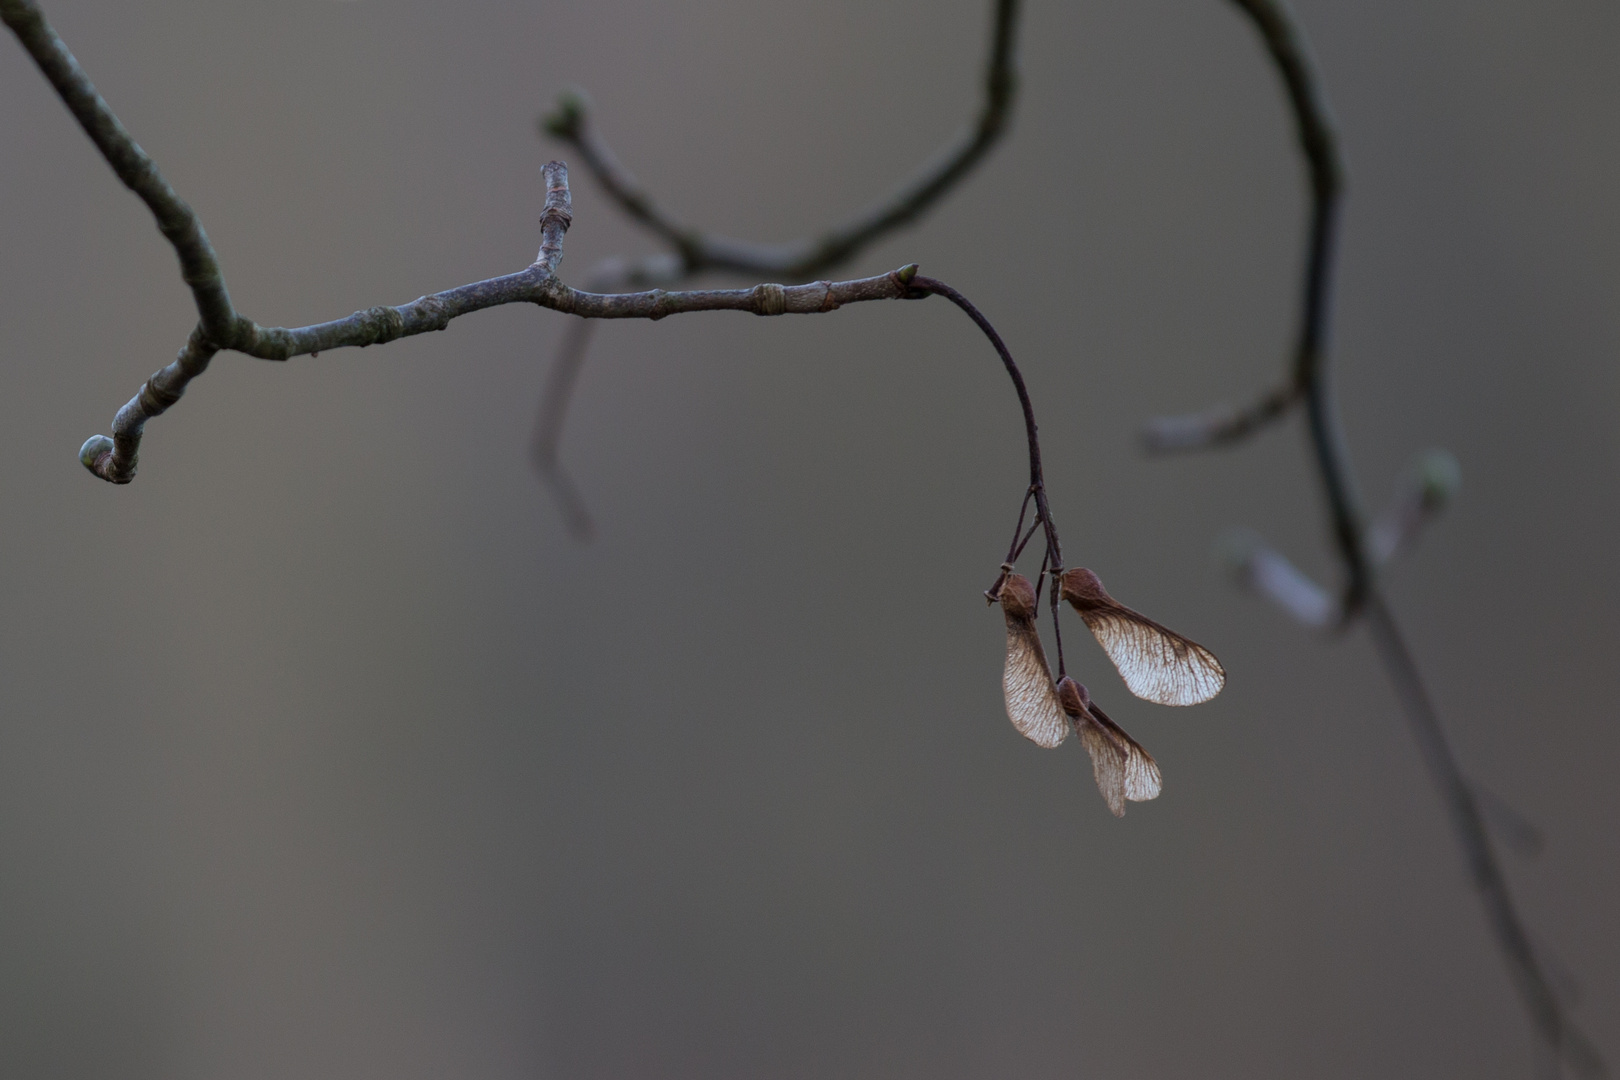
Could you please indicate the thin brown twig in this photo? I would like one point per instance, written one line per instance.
(1308, 384)
(693, 251)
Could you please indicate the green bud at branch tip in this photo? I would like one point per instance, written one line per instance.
(93, 448)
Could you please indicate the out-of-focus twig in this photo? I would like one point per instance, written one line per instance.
(692, 252)
(1359, 548)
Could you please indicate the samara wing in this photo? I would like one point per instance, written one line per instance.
(1142, 779)
(1122, 769)
(1026, 682)
(1156, 663)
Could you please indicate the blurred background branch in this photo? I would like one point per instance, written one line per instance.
(1428, 486)
(693, 252)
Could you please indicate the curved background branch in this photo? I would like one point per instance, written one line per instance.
(1307, 383)
(694, 252)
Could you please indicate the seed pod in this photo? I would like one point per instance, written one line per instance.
(1122, 769)
(1026, 682)
(1156, 663)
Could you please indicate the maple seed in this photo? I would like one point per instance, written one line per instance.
(1122, 769)
(1156, 663)
(1026, 681)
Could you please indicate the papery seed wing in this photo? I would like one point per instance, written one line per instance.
(1026, 682)
(1156, 663)
(1107, 762)
(1109, 753)
(1027, 686)
(1142, 779)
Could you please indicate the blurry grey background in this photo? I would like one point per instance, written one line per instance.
(326, 753)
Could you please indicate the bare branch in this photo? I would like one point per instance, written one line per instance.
(114, 459)
(572, 123)
(220, 327)
(1274, 575)
(198, 265)
(1551, 1020)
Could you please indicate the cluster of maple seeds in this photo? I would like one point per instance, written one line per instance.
(1157, 664)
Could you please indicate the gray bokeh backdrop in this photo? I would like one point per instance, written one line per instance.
(326, 753)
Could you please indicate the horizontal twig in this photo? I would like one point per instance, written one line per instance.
(220, 328)
(114, 459)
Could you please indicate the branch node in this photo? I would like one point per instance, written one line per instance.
(556, 217)
(770, 299)
(829, 302)
(384, 324)
(435, 311)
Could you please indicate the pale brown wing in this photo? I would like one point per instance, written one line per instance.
(1142, 780)
(1156, 663)
(1109, 753)
(1107, 762)
(1026, 682)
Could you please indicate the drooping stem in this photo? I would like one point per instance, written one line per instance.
(1037, 478)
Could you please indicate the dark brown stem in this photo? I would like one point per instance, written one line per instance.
(114, 459)
(1037, 480)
